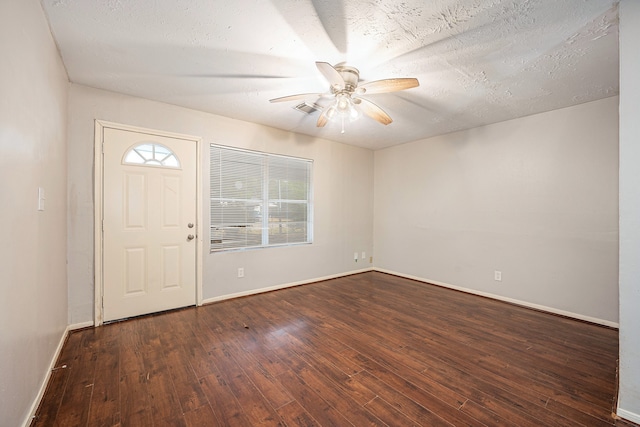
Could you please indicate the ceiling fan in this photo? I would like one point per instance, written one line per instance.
(349, 102)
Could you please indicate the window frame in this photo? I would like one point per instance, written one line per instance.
(265, 199)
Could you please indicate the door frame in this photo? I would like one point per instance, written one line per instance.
(98, 177)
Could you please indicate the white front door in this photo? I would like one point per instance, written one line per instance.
(149, 223)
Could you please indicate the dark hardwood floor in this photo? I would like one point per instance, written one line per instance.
(364, 350)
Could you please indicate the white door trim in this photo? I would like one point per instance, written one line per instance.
(98, 172)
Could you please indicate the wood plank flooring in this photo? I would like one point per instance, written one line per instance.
(364, 350)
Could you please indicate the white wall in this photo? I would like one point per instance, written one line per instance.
(535, 198)
(343, 197)
(629, 394)
(33, 287)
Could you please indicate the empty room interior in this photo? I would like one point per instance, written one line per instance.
(320, 212)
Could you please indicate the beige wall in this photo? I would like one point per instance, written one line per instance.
(33, 287)
(629, 397)
(343, 197)
(535, 198)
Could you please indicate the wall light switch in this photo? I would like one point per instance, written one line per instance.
(363, 255)
(355, 256)
(41, 198)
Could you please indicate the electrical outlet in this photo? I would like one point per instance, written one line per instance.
(363, 255)
(370, 260)
(497, 276)
(240, 272)
(355, 256)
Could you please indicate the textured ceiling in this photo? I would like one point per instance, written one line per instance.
(478, 61)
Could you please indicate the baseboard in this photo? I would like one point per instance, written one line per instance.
(82, 325)
(627, 415)
(47, 377)
(506, 299)
(283, 286)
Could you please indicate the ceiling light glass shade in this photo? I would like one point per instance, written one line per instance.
(344, 107)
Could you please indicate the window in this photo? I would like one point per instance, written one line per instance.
(150, 154)
(259, 199)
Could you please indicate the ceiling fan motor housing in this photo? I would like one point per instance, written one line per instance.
(350, 75)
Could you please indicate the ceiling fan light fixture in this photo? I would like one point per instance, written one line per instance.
(342, 102)
(354, 113)
(344, 107)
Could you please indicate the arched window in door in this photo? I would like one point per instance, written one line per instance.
(151, 154)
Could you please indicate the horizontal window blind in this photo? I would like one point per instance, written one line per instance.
(258, 199)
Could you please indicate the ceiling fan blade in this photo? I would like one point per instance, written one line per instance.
(296, 97)
(373, 111)
(324, 117)
(331, 74)
(387, 85)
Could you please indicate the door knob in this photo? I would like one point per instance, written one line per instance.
(191, 237)
(190, 225)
